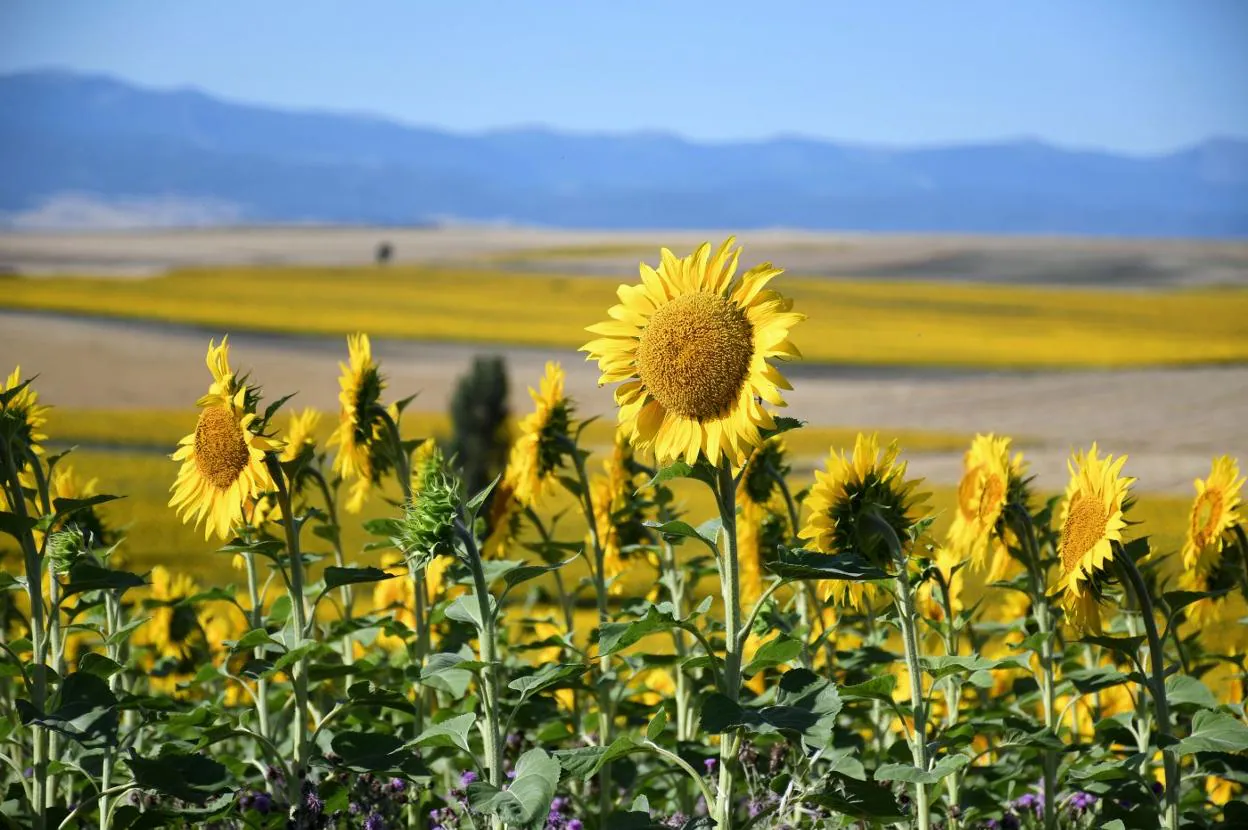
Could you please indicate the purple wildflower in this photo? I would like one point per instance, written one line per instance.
(710, 764)
(467, 778)
(374, 822)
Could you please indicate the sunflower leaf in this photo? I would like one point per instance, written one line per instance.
(1214, 732)
(336, 577)
(1176, 601)
(808, 564)
(682, 530)
(526, 800)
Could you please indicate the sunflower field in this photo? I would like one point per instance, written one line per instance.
(799, 654)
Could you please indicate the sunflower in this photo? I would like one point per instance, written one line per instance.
(760, 525)
(503, 520)
(223, 459)
(359, 424)
(990, 478)
(173, 628)
(21, 415)
(840, 500)
(1209, 562)
(542, 445)
(426, 453)
(300, 434)
(691, 344)
(1092, 522)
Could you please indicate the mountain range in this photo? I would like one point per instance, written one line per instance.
(81, 137)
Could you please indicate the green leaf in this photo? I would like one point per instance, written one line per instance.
(191, 777)
(783, 424)
(584, 762)
(367, 751)
(474, 504)
(863, 800)
(546, 676)
(702, 471)
(524, 573)
(806, 704)
(1184, 690)
(466, 609)
(942, 667)
(450, 732)
(913, 775)
(95, 663)
(447, 672)
(84, 576)
(808, 564)
(613, 637)
(774, 653)
(877, 688)
(252, 639)
(84, 709)
(1088, 681)
(1178, 600)
(525, 802)
(336, 577)
(654, 729)
(15, 525)
(64, 507)
(1214, 732)
(1128, 646)
(677, 529)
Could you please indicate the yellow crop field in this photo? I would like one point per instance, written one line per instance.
(849, 321)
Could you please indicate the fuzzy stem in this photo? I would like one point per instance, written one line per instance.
(729, 574)
(953, 690)
(39, 685)
(257, 621)
(300, 673)
(910, 641)
(1157, 686)
(348, 596)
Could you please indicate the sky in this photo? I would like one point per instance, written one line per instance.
(1141, 76)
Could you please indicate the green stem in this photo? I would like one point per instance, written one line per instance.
(953, 692)
(729, 574)
(257, 621)
(300, 674)
(910, 641)
(1157, 686)
(491, 698)
(347, 594)
(112, 622)
(56, 647)
(39, 688)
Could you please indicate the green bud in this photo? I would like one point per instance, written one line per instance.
(428, 526)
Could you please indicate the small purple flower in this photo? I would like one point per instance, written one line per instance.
(353, 808)
(710, 764)
(262, 803)
(397, 785)
(1030, 801)
(575, 824)
(992, 824)
(374, 822)
(1081, 801)
(467, 778)
(559, 804)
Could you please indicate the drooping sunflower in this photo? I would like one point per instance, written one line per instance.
(761, 525)
(22, 416)
(1209, 561)
(990, 478)
(359, 424)
(867, 481)
(223, 459)
(300, 434)
(1092, 519)
(691, 345)
(539, 451)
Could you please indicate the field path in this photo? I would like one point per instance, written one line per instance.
(1171, 421)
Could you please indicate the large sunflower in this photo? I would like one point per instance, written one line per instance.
(1215, 512)
(223, 459)
(691, 344)
(542, 445)
(990, 477)
(22, 416)
(867, 481)
(359, 425)
(1092, 522)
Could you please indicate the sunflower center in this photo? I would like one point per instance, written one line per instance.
(220, 448)
(1205, 516)
(990, 500)
(1084, 526)
(694, 355)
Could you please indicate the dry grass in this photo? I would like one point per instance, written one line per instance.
(857, 322)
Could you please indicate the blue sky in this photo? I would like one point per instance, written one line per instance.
(1136, 75)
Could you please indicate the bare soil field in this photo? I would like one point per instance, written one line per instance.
(1171, 421)
(1125, 263)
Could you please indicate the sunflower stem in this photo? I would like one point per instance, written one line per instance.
(300, 674)
(257, 621)
(491, 700)
(953, 690)
(112, 622)
(729, 573)
(910, 641)
(600, 595)
(39, 684)
(1157, 684)
(348, 596)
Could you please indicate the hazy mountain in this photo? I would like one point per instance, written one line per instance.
(64, 135)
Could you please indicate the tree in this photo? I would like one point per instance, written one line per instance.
(479, 414)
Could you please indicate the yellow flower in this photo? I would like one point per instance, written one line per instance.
(222, 460)
(425, 453)
(1092, 521)
(359, 426)
(989, 475)
(171, 632)
(300, 433)
(1214, 513)
(503, 521)
(838, 500)
(539, 450)
(692, 346)
(396, 596)
(22, 417)
(656, 686)
(761, 503)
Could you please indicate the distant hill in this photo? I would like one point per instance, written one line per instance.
(66, 136)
